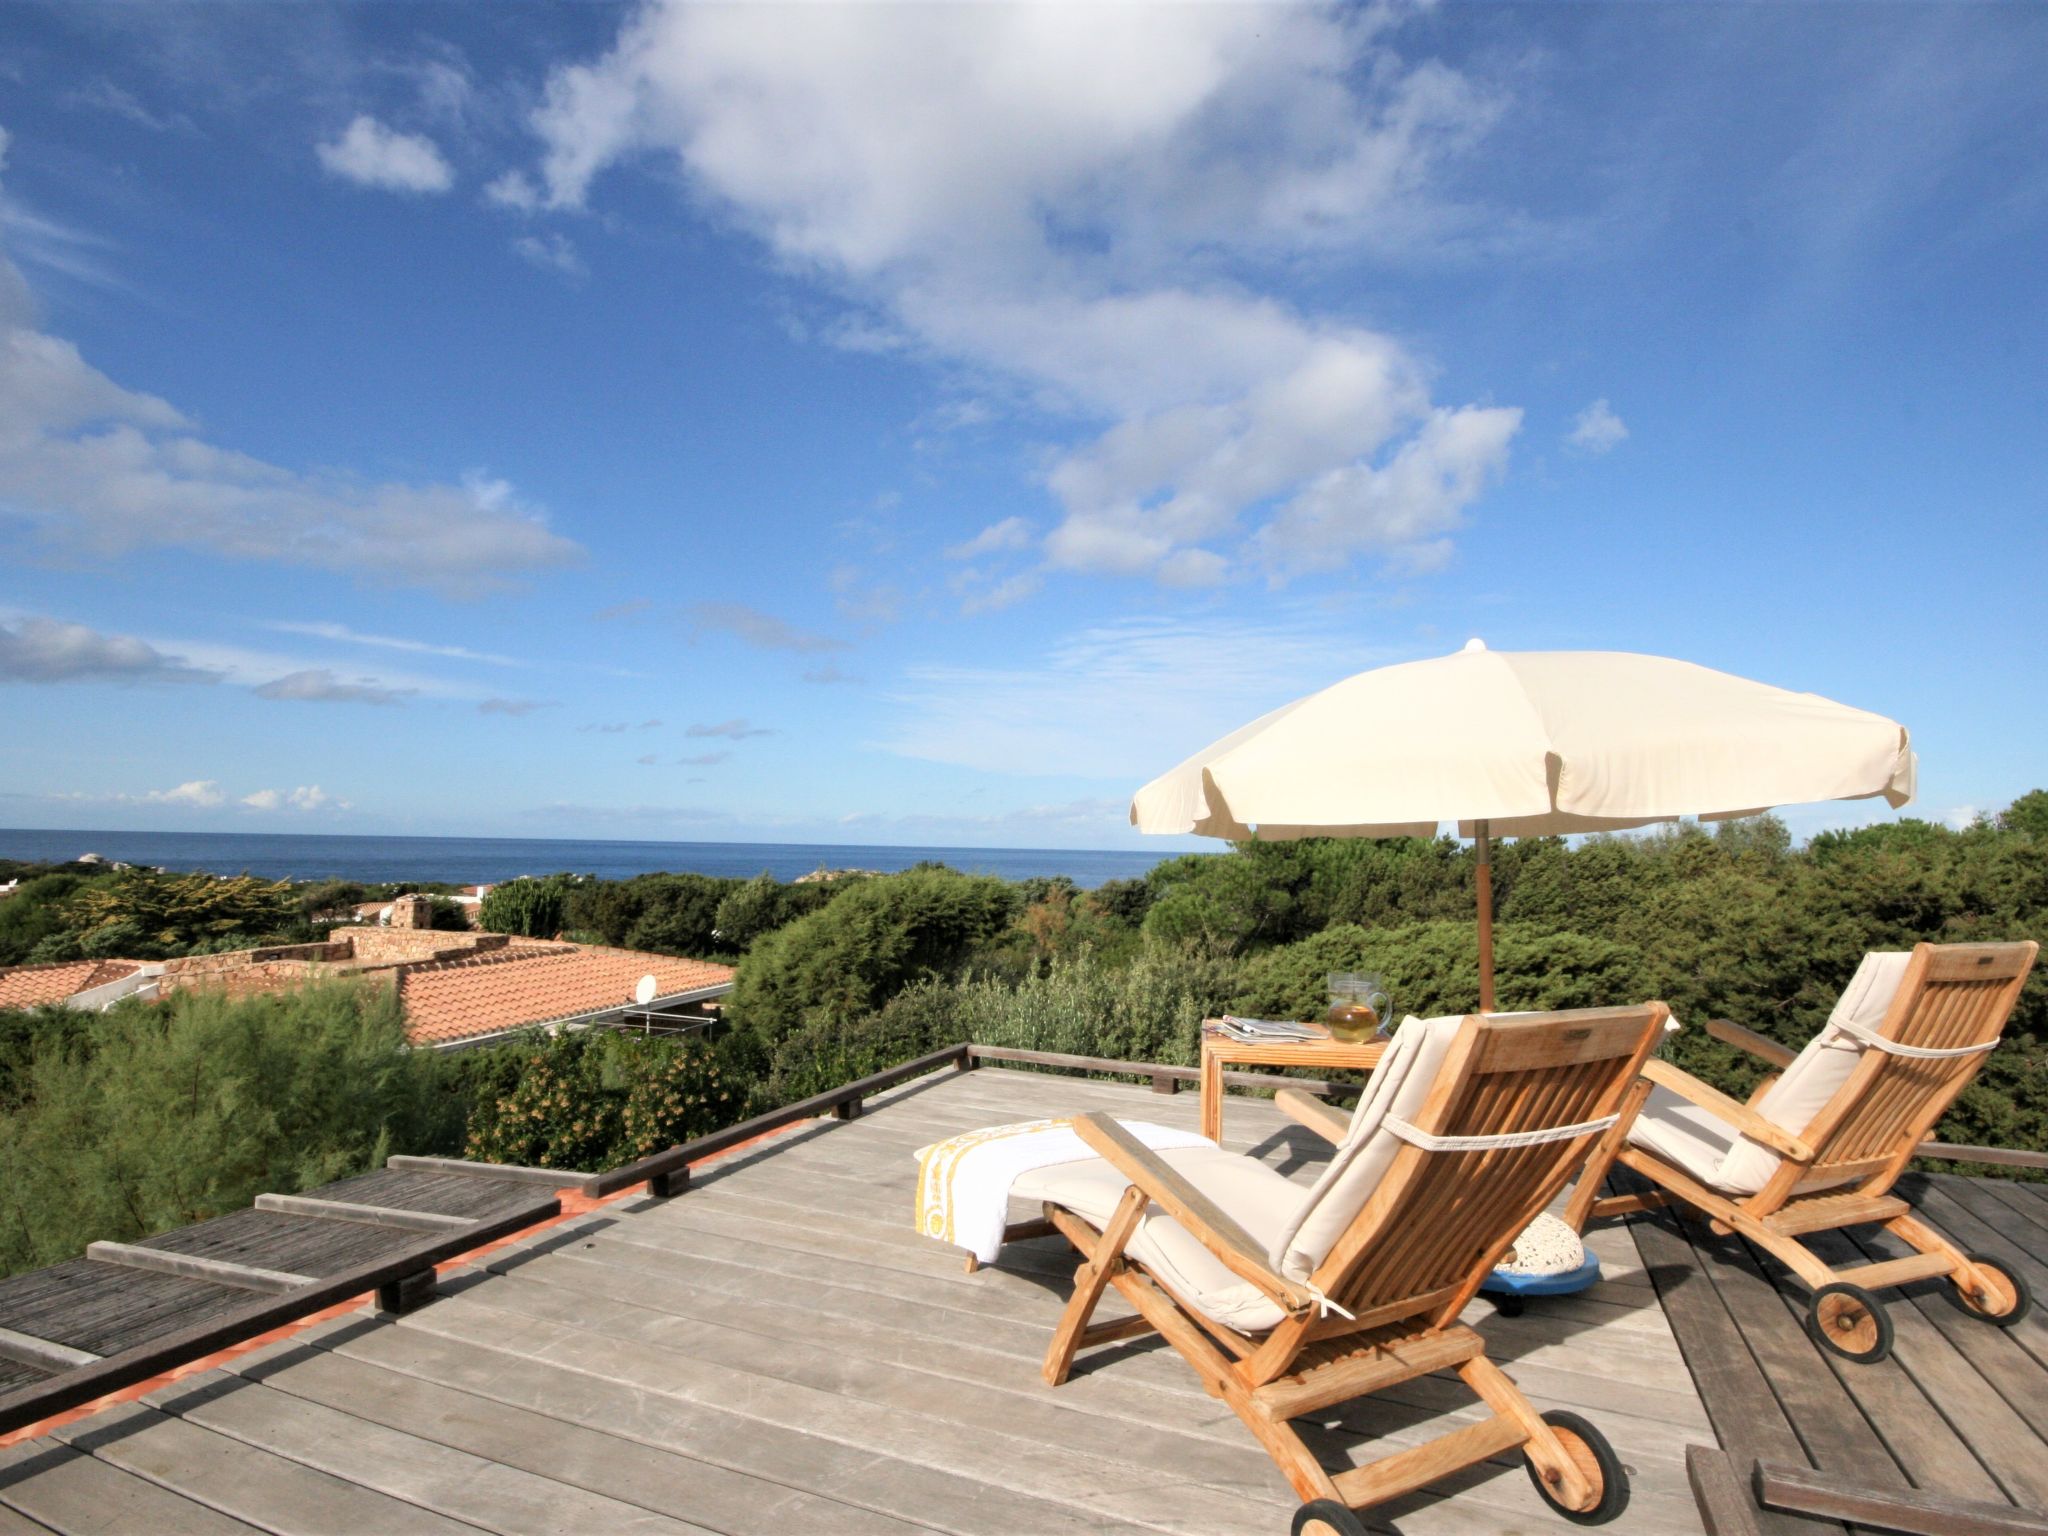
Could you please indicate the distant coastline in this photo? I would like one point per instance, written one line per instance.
(477, 860)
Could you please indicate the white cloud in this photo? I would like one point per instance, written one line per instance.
(96, 468)
(1082, 208)
(761, 630)
(1402, 507)
(307, 797)
(319, 685)
(514, 190)
(1121, 701)
(737, 730)
(828, 675)
(1597, 430)
(551, 252)
(1002, 594)
(41, 650)
(323, 630)
(199, 793)
(870, 604)
(1011, 533)
(372, 155)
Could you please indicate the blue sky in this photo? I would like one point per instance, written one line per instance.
(920, 425)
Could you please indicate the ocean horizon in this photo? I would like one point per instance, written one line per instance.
(485, 860)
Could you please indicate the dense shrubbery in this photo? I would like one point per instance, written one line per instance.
(534, 908)
(1731, 922)
(143, 914)
(666, 914)
(850, 957)
(121, 1124)
(591, 1100)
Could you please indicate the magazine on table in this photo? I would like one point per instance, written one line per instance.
(1254, 1031)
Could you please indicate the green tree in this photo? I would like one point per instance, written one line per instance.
(763, 904)
(530, 907)
(848, 958)
(146, 914)
(169, 1114)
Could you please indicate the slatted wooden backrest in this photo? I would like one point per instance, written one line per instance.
(1952, 995)
(1441, 1219)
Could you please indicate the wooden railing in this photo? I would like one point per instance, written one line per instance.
(668, 1172)
(401, 1279)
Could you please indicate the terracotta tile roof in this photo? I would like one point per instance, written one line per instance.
(30, 986)
(507, 988)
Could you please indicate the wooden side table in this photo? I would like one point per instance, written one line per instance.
(1219, 1051)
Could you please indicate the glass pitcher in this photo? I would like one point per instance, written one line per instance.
(1358, 1004)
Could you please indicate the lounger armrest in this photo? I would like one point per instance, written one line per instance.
(1731, 1033)
(1717, 1103)
(1207, 1222)
(1330, 1124)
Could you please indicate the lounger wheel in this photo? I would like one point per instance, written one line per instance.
(2011, 1300)
(1596, 1462)
(1846, 1320)
(1326, 1517)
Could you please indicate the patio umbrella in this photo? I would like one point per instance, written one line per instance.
(1526, 743)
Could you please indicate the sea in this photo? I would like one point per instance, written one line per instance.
(484, 860)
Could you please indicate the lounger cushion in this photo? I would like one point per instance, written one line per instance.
(1260, 1200)
(1693, 1140)
(1706, 1147)
(1399, 1085)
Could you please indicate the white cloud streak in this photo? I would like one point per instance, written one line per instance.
(763, 631)
(323, 630)
(1121, 701)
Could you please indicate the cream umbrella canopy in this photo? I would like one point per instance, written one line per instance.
(1526, 743)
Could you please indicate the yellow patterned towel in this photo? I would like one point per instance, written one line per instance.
(963, 1182)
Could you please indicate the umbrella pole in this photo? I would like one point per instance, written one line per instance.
(1482, 842)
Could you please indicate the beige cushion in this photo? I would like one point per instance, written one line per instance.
(1693, 1140)
(1707, 1148)
(1398, 1085)
(1256, 1197)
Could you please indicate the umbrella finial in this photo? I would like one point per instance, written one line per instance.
(1475, 644)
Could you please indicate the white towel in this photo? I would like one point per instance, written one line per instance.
(963, 1182)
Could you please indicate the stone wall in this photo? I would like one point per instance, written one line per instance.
(394, 946)
(243, 979)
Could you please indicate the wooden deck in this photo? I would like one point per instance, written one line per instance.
(1959, 1410)
(637, 1370)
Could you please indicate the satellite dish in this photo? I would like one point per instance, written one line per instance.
(644, 989)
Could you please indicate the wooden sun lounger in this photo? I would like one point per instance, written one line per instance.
(1820, 1144)
(1432, 1181)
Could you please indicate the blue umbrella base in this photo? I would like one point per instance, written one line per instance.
(1505, 1284)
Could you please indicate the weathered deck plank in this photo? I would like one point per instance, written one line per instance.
(245, 1482)
(401, 1465)
(80, 1495)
